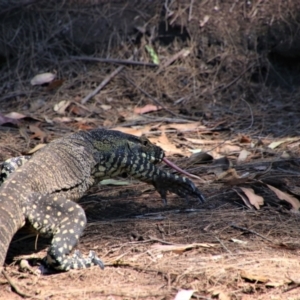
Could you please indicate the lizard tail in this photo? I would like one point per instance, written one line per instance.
(11, 220)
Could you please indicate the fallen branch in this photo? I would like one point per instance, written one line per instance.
(251, 231)
(114, 61)
(15, 287)
(102, 84)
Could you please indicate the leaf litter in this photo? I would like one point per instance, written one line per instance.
(234, 161)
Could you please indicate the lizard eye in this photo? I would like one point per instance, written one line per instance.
(145, 143)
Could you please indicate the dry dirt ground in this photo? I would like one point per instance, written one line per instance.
(227, 84)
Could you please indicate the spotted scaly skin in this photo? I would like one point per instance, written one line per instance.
(44, 188)
(10, 166)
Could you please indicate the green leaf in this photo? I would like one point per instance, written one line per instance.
(152, 54)
(113, 182)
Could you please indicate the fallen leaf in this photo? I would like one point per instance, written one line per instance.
(37, 133)
(163, 142)
(105, 107)
(184, 126)
(182, 247)
(223, 162)
(286, 155)
(254, 277)
(229, 148)
(42, 78)
(76, 110)
(223, 296)
(198, 158)
(195, 150)
(275, 144)
(153, 55)
(87, 120)
(24, 134)
(238, 241)
(62, 119)
(12, 118)
(287, 197)
(244, 198)
(260, 168)
(229, 174)
(293, 146)
(61, 107)
(36, 148)
(83, 126)
(243, 155)
(279, 283)
(220, 294)
(184, 295)
(245, 139)
(204, 21)
(147, 108)
(204, 142)
(134, 131)
(6, 120)
(54, 84)
(114, 182)
(254, 199)
(15, 115)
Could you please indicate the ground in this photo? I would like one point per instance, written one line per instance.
(222, 103)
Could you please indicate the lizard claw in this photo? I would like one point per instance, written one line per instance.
(181, 186)
(96, 260)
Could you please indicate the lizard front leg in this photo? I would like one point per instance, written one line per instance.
(63, 220)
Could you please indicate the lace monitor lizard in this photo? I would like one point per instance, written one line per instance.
(43, 190)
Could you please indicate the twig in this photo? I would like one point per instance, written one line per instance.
(102, 84)
(296, 284)
(223, 245)
(252, 118)
(191, 10)
(13, 95)
(154, 239)
(17, 6)
(181, 53)
(251, 231)
(14, 287)
(114, 61)
(235, 79)
(148, 120)
(149, 96)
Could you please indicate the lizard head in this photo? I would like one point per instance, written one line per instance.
(151, 152)
(119, 143)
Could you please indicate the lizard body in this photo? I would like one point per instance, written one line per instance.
(44, 190)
